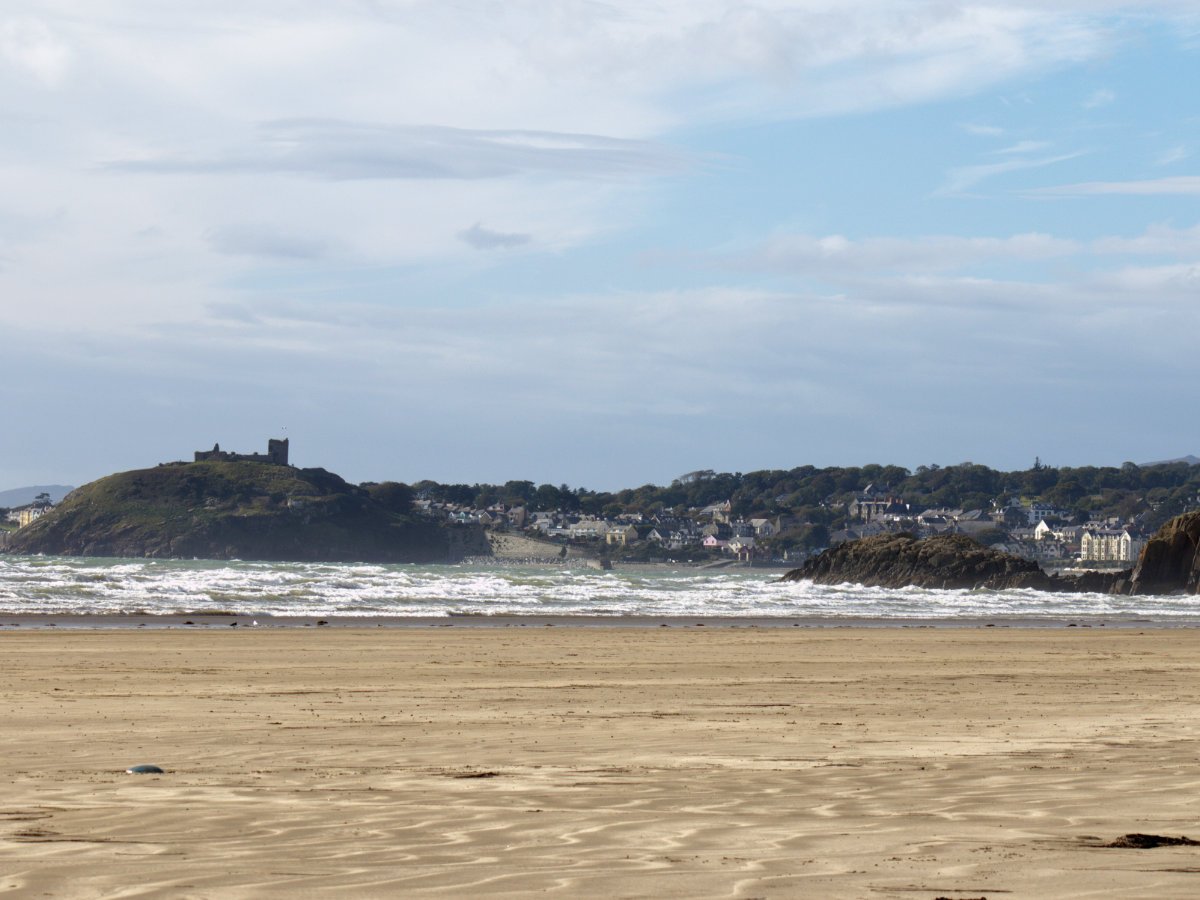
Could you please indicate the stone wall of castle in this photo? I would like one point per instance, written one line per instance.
(277, 454)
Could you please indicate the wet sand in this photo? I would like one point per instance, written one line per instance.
(598, 762)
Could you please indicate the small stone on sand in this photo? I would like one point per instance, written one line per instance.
(145, 769)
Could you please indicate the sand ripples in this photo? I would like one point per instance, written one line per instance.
(733, 763)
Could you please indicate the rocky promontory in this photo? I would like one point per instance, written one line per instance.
(946, 561)
(941, 561)
(1169, 564)
(218, 509)
(1170, 561)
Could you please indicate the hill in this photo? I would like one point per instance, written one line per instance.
(1189, 459)
(242, 510)
(23, 496)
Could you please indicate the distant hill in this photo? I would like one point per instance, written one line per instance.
(242, 510)
(26, 495)
(1189, 459)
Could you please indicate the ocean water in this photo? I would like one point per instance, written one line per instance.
(70, 586)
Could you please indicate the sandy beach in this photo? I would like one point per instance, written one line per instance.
(595, 762)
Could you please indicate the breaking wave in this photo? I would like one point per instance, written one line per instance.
(66, 586)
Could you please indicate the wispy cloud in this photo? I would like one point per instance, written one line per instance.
(982, 130)
(959, 180)
(1022, 147)
(1180, 184)
(342, 151)
(874, 256)
(1096, 99)
(1180, 280)
(1157, 240)
(886, 261)
(1172, 155)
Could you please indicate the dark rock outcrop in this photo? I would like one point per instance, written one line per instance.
(1138, 841)
(240, 510)
(941, 561)
(945, 561)
(1170, 562)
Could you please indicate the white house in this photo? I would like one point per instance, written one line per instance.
(1109, 545)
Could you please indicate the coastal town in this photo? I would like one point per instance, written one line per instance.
(1090, 517)
(1028, 529)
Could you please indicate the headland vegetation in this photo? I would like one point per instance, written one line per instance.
(219, 509)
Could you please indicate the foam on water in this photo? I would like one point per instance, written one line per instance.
(100, 586)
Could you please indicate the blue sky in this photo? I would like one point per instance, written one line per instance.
(597, 243)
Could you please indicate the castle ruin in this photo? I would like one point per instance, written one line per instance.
(277, 454)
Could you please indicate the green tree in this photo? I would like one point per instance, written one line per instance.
(517, 493)
(547, 498)
(393, 496)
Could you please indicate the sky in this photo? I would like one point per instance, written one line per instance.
(597, 242)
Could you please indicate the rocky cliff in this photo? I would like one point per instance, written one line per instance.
(1170, 562)
(240, 510)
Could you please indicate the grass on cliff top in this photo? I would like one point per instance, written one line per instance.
(208, 488)
(244, 509)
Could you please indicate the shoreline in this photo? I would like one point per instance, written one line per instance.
(201, 621)
(107, 595)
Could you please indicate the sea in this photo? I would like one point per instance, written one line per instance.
(81, 587)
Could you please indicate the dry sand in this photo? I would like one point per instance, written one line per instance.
(652, 762)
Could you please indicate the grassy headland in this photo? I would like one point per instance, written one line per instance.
(242, 510)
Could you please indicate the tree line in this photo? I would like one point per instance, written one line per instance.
(1155, 492)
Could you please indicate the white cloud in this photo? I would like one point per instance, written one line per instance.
(961, 179)
(140, 257)
(834, 253)
(954, 354)
(1022, 147)
(1099, 98)
(339, 151)
(195, 103)
(623, 69)
(867, 56)
(1157, 240)
(888, 264)
(29, 45)
(1178, 282)
(285, 202)
(1184, 185)
(1172, 155)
